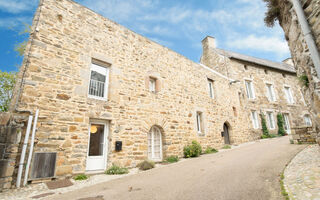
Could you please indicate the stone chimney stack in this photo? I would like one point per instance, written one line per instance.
(208, 42)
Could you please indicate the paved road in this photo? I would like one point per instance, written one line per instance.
(247, 172)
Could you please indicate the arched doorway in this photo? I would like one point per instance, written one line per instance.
(226, 133)
(155, 144)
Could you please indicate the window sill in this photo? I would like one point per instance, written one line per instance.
(97, 98)
(201, 134)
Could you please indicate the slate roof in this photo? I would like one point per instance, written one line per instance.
(266, 63)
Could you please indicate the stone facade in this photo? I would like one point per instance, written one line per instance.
(301, 57)
(67, 38)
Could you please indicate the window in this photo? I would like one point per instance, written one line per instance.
(210, 84)
(307, 120)
(250, 90)
(199, 123)
(98, 87)
(270, 92)
(271, 120)
(152, 84)
(288, 94)
(254, 118)
(154, 144)
(286, 123)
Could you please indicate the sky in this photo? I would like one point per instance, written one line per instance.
(179, 25)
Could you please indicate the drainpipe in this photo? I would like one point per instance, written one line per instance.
(23, 153)
(307, 35)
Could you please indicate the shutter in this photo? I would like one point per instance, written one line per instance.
(43, 165)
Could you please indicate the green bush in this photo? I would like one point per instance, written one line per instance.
(291, 141)
(265, 130)
(172, 159)
(280, 123)
(226, 147)
(210, 150)
(304, 80)
(193, 150)
(80, 177)
(146, 165)
(114, 169)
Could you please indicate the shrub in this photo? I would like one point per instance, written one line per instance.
(291, 141)
(114, 169)
(265, 130)
(146, 165)
(80, 177)
(193, 150)
(210, 150)
(304, 80)
(172, 159)
(268, 136)
(226, 147)
(280, 123)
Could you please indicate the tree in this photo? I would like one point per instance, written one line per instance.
(8, 79)
(7, 82)
(265, 130)
(273, 12)
(280, 123)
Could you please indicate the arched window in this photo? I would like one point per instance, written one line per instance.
(154, 144)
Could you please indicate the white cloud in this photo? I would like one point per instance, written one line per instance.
(261, 43)
(13, 22)
(17, 6)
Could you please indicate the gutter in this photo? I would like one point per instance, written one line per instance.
(314, 54)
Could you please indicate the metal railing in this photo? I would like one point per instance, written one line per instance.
(96, 88)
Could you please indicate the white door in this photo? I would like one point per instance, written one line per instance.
(154, 144)
(98, 135)
(286, 123)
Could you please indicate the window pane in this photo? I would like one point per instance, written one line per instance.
(96, 140)
(98, 78)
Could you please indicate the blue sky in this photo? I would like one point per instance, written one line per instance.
(179, 25)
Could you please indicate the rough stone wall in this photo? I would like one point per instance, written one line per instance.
(9, 145)
(260, 75)
(299, 50)
(67, 38)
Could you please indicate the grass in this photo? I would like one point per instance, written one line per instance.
(226, 147)
(114, 169)
(210, 150)
(80, 177)
(263, 136)
(283, 189)
(172, 159)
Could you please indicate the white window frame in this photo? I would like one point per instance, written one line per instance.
(211, 91)
(270, 92)
(199, 121)
(254, 118)
(288, 94)
(271, 121)
(249, 89)
(307, 120)
(152, 84)
(101, 70)
(286, 120)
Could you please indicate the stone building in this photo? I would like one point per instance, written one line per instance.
(98, 84)
(288, 20)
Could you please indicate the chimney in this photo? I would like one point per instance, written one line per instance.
(289, 61)
(208, 42)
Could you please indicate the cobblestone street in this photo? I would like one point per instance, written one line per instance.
(302, 176)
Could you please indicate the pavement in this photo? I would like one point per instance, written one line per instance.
(302, 176)
(250, 171)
